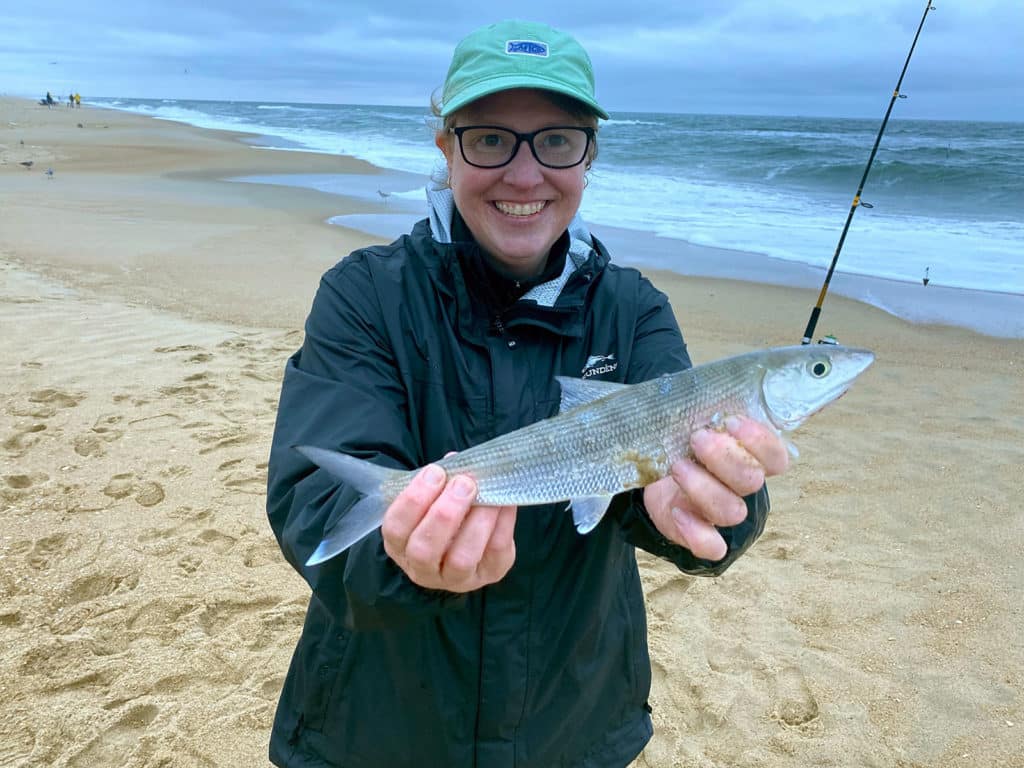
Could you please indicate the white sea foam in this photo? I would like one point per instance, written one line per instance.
(944, 196)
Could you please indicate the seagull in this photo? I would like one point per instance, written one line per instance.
(49, 172)
(27, 163)
(384, 195)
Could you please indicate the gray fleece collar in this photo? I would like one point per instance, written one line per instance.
(442, 210)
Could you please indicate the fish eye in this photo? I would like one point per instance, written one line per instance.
(819, 369)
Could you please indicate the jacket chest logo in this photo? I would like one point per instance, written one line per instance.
(598, 364)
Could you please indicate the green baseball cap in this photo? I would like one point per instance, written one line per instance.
(518, 54)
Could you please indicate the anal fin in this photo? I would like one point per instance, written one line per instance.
(587, 511)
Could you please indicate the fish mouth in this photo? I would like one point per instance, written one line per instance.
(788, 425)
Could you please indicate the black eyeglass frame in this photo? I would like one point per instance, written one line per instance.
(528, 138)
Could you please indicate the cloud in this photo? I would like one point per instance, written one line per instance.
(780, 57)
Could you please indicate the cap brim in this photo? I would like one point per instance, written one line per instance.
(496, 85)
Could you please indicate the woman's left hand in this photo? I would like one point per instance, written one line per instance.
(707, 490)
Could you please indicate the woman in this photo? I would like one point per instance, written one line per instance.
(463, 635)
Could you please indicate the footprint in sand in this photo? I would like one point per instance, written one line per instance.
(189, 564)
(262, 371)
(794, 702)
(147, 493)
(166, 540)
(18, 482)
(94, 586)
(130, 398)
(23, 439)
(88, 445)
(56, 397)
(43, 403)
(196, 388)
(179, 348)
(256, 621)
(215, 437)
(778, 546)
(665, 600)
(122, 742)
(261, 553)
(105, 430)
(154, 423)
(215, 540)
(174, 471)
(47, 549)
(15, 548)
(244, 476)
(88, 598)
(120, 486)
(159, 618)
(107, 427)
(270, 688)
(16, 487)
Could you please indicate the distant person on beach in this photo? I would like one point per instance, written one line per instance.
(48, 101)
(459, 634)
(71, 100)
(78, 100)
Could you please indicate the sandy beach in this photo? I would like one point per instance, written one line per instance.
(147, 617)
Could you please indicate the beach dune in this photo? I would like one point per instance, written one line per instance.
(147, 617)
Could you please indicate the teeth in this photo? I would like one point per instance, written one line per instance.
(518, 209)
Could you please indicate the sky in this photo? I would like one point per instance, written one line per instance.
(766, 57)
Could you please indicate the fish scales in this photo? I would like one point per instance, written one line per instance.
(623, 441)
(616, 437)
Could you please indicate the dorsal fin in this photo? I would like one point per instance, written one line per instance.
(576, 392)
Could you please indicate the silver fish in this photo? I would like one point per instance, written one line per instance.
(608, 438)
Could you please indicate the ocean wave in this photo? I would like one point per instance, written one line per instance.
(624, 121)
(946, 195)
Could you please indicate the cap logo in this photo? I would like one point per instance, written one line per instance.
(526, 48)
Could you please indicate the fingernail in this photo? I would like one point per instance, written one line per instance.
(733, 423)
(738, 514)
(462, 487)
(700, 436)
(433, 474)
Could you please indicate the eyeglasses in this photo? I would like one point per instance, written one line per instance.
(488, 146)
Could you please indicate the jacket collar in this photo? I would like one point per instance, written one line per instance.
(556, 305)
(581, 244)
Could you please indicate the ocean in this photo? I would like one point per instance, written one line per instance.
(946, 197)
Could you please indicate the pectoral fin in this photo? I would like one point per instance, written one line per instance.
(588, 511)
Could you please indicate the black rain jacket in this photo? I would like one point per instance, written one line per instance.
(548, 667)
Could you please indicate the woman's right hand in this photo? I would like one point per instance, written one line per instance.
(435, 533)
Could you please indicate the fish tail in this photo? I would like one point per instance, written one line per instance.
(366, 515)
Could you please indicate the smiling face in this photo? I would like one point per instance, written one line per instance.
(518, 211)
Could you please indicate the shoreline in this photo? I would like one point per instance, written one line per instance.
(998, 314)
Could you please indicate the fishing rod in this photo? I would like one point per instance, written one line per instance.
(816, 312)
